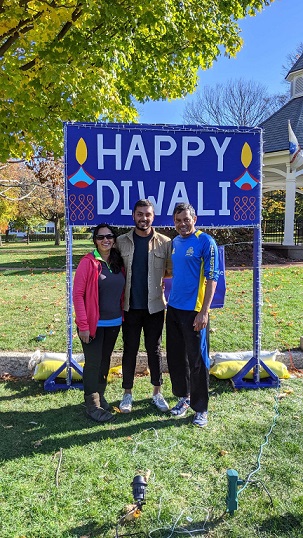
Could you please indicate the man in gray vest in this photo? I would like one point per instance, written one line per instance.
(147, 257)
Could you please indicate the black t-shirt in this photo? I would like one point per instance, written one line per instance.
(139, 281)
(110, 289)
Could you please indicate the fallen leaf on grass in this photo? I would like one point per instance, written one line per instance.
(186, 475)
(8, 377)
(147, 475)
(223, 452)
(131, 512)
(38, 443)
(116, 409)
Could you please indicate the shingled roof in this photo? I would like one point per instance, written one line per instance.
(275, 128)
(275, 135)
(296, 67)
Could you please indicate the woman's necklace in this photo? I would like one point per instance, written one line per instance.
(99, 257)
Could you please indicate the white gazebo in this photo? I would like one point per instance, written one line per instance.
(278, 173)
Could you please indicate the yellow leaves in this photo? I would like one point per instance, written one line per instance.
(285, 393)
(149, 51)
(131, 512)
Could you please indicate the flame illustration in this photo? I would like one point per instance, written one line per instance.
(81, 151)
(246, 155)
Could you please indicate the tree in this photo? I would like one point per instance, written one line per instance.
(7, 213)
(34, 190)
(48, 199)
(291, 59)
(84, 60)
(238, 102)
(9, 194)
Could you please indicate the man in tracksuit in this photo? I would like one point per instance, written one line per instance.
(195, 270)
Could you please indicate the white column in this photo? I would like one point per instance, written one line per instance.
(290, 200)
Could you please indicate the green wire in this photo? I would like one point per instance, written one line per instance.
(274, 422)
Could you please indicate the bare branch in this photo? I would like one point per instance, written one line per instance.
(238, 102)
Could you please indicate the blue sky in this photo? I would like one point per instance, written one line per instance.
(268, 38)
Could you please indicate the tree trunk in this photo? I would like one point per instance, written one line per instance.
(57, 231)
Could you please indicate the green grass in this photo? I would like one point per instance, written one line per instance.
(33, 302)
(85, 494)
(41, 255)
(187, 465)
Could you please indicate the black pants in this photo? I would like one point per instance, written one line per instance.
(152, 325)
(185, 351)
(97, 359)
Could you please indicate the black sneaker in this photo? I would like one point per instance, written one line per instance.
(200, 419)
(181, 407)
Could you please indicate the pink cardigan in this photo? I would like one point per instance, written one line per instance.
(85, 294)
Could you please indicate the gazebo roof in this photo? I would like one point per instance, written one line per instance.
(275, 136)
(296, 67)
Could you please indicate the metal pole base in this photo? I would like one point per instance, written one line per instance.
(239, 382)
(51, 384)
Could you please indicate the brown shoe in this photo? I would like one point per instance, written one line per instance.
(93, 409)
(103, 402)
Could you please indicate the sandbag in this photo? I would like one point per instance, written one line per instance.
(47, 367)
(227, 369)
(243, 356)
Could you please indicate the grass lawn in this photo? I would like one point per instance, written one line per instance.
(33, 291)
(64, 476)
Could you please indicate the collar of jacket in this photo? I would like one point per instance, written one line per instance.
(130, 234)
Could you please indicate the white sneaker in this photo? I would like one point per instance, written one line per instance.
(159, 402)
(126, 403)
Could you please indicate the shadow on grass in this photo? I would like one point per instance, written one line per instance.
(284, 525)
(90, 529)
(24, 433)
(49, 263)
(128, 530)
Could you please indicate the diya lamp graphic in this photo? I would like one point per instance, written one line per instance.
(81, 178)
(246, 181)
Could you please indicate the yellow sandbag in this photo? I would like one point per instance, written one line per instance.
(114, 372)
(227, 369)
(46, 368)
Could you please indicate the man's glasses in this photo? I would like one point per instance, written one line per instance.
(107, 236)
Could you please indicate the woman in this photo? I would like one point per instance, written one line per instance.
(98, 294)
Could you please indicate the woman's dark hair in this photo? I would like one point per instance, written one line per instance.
(115, 259)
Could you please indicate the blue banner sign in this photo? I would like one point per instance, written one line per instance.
(108, 167)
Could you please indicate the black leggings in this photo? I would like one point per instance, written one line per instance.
(152, 325)
(97, 359)
(185, 351)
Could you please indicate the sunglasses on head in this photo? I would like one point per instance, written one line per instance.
(107, 236)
